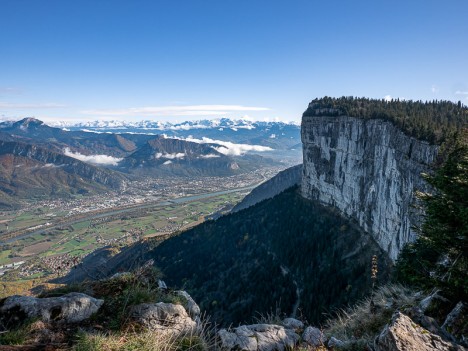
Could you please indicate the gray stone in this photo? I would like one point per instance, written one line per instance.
(261, 337)
(162, 285)
(402, 334)
(334, 342)
(430, 301)
(189, 304)
(314, 336)
(164, 317)
(293, 323)
(237, 340)
(369, 170)
(456, 323)
(69, 308)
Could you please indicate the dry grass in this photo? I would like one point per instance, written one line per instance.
(359, 325)
(201, 339)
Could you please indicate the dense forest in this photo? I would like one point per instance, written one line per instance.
(433, 121)
(259, 259)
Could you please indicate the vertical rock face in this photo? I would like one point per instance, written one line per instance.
(369, 170)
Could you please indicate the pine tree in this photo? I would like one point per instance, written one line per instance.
(439, 257)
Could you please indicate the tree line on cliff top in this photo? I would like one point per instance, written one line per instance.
(435, 121)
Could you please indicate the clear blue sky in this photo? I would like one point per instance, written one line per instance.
(188, 59)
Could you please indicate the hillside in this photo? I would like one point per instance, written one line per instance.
(34, 131)
(272, 187)
(28, 171)
(256, 260)
(178, 157)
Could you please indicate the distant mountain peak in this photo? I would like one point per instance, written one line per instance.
(28, 122)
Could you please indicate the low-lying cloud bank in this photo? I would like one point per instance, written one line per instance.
(94, 159)
(230, 149)
(170, 156)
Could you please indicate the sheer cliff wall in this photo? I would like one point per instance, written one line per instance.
(369, 170)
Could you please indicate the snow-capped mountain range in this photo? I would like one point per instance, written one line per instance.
(165, 126)
(275, 135)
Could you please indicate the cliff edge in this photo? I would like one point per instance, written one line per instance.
(368, 169)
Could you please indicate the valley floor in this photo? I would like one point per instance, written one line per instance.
(51, 237)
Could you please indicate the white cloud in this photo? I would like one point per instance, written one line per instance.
(209, 156)
(228, 148)
(170, 156)
(167, 162)
(460, 92)
(388, 98)
(273, 136)
(435, 89)
(94, 159)
(191, 110)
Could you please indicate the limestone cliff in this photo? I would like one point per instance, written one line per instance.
(369, 170)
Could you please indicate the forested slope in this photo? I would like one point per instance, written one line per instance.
(257, 260)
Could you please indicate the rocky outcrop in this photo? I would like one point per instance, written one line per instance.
(369, 170)
(314, 336)
(272, 187)
(258, 337)
(403, 334)
(293, 323)
(163, 317)
(456, 323)
(190, 305)
(69, 308)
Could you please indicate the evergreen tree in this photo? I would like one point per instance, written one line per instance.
(439, 257)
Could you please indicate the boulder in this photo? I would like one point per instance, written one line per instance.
(314, 336)
(258, 337)
(165, 317)
(189, 304)
(334, 342)
(293, 323)
(402, 334)
(456, 323)
(69, 308)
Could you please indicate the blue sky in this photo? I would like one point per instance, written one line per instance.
(178, 60)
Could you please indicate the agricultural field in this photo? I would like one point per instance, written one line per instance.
(39, 254)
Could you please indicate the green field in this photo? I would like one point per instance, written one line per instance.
(85, 236)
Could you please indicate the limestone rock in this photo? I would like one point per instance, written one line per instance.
(334, 342)
(258, 337)
(369, 170)
(456, 323)
(293, 323)
(431, 302)
(190, 304)
(162, 285)
(427, 322)
(69, 308)
(402, 334)
(314, 336)
(165, 317)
